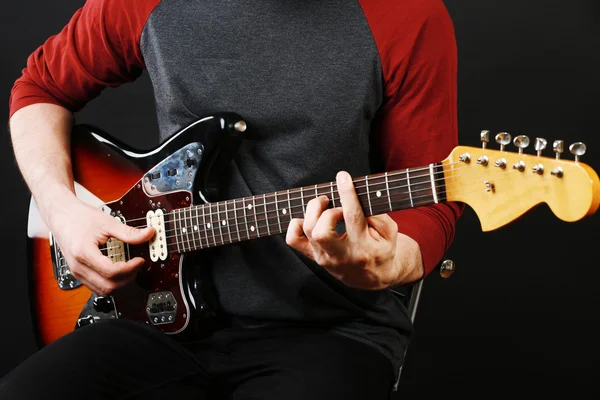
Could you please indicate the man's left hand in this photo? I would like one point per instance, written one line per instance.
(365, 256)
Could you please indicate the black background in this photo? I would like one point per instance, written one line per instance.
(520, 315)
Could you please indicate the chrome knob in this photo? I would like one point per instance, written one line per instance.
(485, 138)
(540, 145)
(521, 142)
(503, 139)
(240, 126)
(447, 268)
(559, 147)
(577, 149)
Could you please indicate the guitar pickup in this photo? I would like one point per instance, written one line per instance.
(158, 243)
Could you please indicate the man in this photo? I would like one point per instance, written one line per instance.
(328, 87)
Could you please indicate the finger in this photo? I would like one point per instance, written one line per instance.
(325, 235)
(102, 286)
(314, 209)
(354, 217)
(108, 269)
(384, 225)
(296, 239)
(94, 281)
(129, 234)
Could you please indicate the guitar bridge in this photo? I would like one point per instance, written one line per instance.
(62, 273)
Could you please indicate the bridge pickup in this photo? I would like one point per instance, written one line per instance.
(116, 249)
(158, 243)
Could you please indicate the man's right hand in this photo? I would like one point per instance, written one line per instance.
(80, 230)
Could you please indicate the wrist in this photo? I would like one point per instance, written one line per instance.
(55, 201)
(408, 260)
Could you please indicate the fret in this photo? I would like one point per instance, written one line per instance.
(186, 229)
(412, 204)
(266, 214)
(204, 225)
(378, 185)
(184, 237)
(332, 194)
(433, 188)
(190, 228)
(227, 223)
(368, 195)
(296, 207)
(323, 191)
(262, 225)
(246, 218)
(387, 187)
(303, 206)
(176, 233)
(219, 220)
(316, 191)
(277, 212)
(255, 218)
(237, 225)
(211, 224)
(197, 228)
(193, 228)
(289, 206)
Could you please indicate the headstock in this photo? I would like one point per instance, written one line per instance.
(502, 185)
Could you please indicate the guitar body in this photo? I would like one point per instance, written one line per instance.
(128, 184)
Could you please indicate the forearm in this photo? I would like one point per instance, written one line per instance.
(40, 135)
(408, 260)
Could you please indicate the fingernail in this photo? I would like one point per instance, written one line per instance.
(343, 177)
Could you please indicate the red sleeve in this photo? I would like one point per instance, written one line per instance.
(417, 123)
(98, 48)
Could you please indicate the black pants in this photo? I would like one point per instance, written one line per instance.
(127, 360)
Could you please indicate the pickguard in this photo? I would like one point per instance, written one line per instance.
(164, 188)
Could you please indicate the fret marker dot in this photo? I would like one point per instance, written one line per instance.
(224, 223)
(249, 206)
(195, 227)
(252, 228)
(378, 193)
(284, 211)
(208, 226)
(183, 230)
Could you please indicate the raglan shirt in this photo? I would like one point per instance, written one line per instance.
(363, 86)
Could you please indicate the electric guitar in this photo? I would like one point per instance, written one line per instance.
(170, 186)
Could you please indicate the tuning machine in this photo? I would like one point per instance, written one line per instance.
(521, 142)
(503, 139)
(540, 145)
(578, 149)
(558, 147)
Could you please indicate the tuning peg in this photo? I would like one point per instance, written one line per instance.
(577, 149)
(559, 147)
(485, 138)
(540, 145)
(521, 142)
(503, 139)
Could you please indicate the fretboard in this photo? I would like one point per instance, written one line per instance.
(231, 221)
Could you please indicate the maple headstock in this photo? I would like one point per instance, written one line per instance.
(502, 185)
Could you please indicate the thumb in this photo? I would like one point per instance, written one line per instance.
(131, 235)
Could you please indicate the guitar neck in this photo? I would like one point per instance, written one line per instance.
(231, 221)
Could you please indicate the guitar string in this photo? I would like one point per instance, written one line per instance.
(383, 200)
(358, 180)
(191, 241)
(259, 216)
(211, 213)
